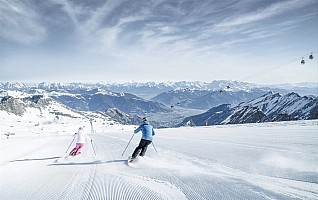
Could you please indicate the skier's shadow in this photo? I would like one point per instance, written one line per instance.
(35, 159)
(115, 161)
(98, 162)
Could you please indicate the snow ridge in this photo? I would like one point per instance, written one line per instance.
(267, 108)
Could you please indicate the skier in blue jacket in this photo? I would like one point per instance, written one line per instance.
(146, 139)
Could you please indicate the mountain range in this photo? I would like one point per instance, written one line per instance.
(101, 100)
(266, 108)
(45, 108)
(205, 99)
(149, 90)
(229, 102)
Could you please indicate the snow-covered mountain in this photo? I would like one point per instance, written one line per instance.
(107, 104)
(292, 104)
(122, 117)
(145, 90)
(302, 89)
(101, 100)
(205, 99)
(269, 107)
(44, 112)
(250, 161)
(178, 99)
(148, 90)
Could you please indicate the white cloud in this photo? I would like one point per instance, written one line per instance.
(260, 14)
(20, 23)
(154, 35)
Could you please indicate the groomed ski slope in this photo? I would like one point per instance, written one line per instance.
(252, 161)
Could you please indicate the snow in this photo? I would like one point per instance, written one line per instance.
(292, 104)
(250, 161)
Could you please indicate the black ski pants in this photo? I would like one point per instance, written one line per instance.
(143, 144)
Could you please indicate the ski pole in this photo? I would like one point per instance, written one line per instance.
(93, 147)
(127, 144)
(70, 145)
(155, 148)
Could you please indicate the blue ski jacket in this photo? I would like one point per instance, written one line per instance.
(147, 131)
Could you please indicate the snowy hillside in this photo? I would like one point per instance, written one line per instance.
(267, 108)
(41, 115)
(128, 106)
(252, 161)
(291, 104)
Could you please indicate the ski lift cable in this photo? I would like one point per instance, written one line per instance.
(268, 70)
(276, 67)
(272, 68)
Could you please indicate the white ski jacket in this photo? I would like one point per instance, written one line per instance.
(82, 136)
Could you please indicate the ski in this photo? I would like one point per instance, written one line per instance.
(130, 160)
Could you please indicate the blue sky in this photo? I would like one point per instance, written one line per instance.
(259, 41)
